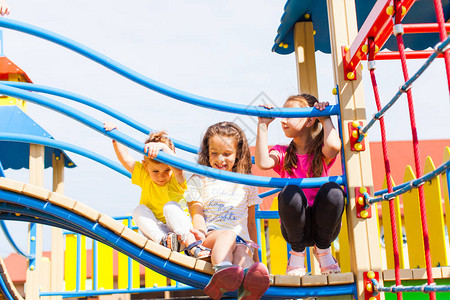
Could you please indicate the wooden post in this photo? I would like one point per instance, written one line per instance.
(305, 58)
(307, 80)
(33, 283)
(363, 233)
(57, 256)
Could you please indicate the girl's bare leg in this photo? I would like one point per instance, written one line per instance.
(222, 244)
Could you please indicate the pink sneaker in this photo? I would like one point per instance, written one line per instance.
(225, 280)
(330, 269)
(256, 282)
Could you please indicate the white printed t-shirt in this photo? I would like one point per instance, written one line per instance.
(225, 204)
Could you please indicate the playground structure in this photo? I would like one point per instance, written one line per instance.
(30, 202)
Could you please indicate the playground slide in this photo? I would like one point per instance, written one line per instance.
(27, 202)
(7, 288)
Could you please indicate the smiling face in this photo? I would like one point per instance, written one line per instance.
(222, 152)
(159, 173)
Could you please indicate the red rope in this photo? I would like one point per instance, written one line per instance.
(443, 35)
(423, 213)
(387, 168)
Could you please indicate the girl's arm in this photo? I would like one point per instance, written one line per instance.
(121, 151)
(152, 150)
(331, 140)
(198, 220)
(263, 159)
(251, 225)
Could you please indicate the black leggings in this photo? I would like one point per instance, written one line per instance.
(303, 225)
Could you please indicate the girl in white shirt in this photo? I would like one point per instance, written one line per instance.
(223, 215)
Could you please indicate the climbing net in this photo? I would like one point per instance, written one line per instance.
(441, 48)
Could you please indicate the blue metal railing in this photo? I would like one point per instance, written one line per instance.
(162, 88)
(164, 157)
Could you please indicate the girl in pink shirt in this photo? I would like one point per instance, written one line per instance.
(308, 217)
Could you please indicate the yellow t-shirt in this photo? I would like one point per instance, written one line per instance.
(155, 196)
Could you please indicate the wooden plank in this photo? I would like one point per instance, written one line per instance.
(305, 57)
(36, 192)
(204, 267)
(134, 237)
(413, 227)
(57, 255)
(314, 280)
(113, 225)
(435, 217)
(405, 274)
(157, 249)
(285, 280)
(86, 211)
(341, 278)
(445, 272)
(11, 185)
(422, 273)
(183, 260)
(389, 244)
(33, 276)
(363, 233)
(61, 200)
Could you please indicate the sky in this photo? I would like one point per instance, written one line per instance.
(215, 49)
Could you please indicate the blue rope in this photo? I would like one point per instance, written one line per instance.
(162, 88)
(426, 288)
(164, 157)
(411, 184)
(404, 88)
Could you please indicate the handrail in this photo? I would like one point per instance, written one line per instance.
(403, 188)
(164, 157)
(25, 138)
(97, 105)
(162, 88)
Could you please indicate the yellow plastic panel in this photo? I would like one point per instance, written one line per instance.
(344, 249)
(413, 227)
(435, 217)
(105, 266)
(388, 231)
(278, 247)
(153, 279)
(70, 262)
(445, 189)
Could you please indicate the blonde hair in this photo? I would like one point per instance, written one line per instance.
(315, 148)
(243, 163)
(155, 137)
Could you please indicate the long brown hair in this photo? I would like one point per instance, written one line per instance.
(159, 136)
(315, 148)
(243, 163)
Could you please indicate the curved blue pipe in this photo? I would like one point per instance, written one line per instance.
(25, 138)
(164, 157)
(97, 105)
(162, 88)
(11, 241)
(54, 213)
